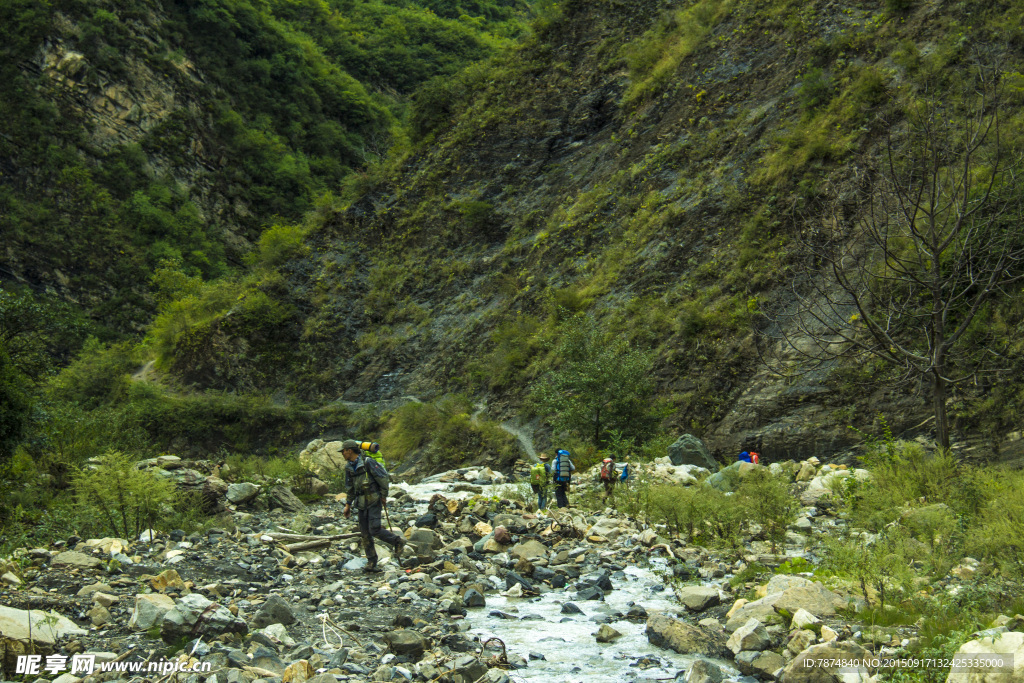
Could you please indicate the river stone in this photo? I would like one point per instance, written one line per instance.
(803, 619)
(195, 615)
(492, 547)
(800, 641)
(502, 536)
(72, 558)
(807, 471)
(751, 636)
(571, 608)
(282, 497)
(298, 672)
(274, 611)
(1009, 643)
(473, 598)
(149, 611)
(592, 593)
(242, 492)
(511, 579)
(806, 667)
(673, 634)
(406, 643)
(689, 450)
(531, 549)
(167, 579)
(468, 669)
(698, 598)
(606, 634)
(759, 664)
(703, 671)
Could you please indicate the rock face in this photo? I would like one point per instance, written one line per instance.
(194, 615)
(673, 634)
(1010, 644)
(689, 450)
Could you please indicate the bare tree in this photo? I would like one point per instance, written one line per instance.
(913, 250)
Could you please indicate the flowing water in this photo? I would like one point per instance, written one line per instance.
(570, 652)
(561, 647)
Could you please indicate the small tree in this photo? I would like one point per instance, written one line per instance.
(912, 252)
(129, 500)
(601, 384)
(767, 502)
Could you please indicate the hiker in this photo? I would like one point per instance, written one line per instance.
(540, 475)
(563, 469)
(624, 477)
(366, 488)
(607, 477)
(749, 456)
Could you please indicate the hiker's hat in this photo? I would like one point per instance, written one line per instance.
(543, 456)
(607, 460)
(350, 443)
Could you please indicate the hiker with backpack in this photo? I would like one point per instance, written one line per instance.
(607, 477)
(562, 469)
(540, 474)
(366, 489)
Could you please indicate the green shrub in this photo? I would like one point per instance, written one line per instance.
(996, 533)
(768, 503)
(127, 499)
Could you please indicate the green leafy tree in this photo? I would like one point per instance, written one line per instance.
(601, 384)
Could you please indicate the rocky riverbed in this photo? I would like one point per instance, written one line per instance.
(488, 590)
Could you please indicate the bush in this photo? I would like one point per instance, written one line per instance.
(127, 499)
(768, 503)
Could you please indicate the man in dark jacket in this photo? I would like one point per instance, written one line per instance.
(366, 489)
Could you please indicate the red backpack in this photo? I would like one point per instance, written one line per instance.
(607, 470)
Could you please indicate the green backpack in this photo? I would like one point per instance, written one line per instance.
(538, 475)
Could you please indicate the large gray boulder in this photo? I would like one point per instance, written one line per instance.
(282, 497)
(274, 611)
(195, 615)
(689, 450)
(673, 634)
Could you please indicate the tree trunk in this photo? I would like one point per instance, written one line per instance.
(939, 405)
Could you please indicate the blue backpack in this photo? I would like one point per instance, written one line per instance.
(563, 471)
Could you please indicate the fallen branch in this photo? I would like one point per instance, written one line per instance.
(665, 546)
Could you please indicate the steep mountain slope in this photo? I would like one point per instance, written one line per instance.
(141, 136)
(652, 165)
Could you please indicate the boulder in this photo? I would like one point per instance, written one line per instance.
(282, 497)
(17, 637)
(274, 611)
(698, 598)
(728, 478)
(406, 643)
(241, 493)
(1010, 644)
(195, 615)
(149, 611)
(786, 596)
(298, 672)
(606, 634)
(673, 634)
(531, 549)
(762, 665)
(807, 471)
(703, 671)
(751, 636)
(323, 458)
(71, 558)
(689, 450)
(167, 580)
(821, 664)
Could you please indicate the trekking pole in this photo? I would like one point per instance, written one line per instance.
(386, 515)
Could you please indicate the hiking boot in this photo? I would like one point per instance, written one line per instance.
(372, 568)
(399, 547)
